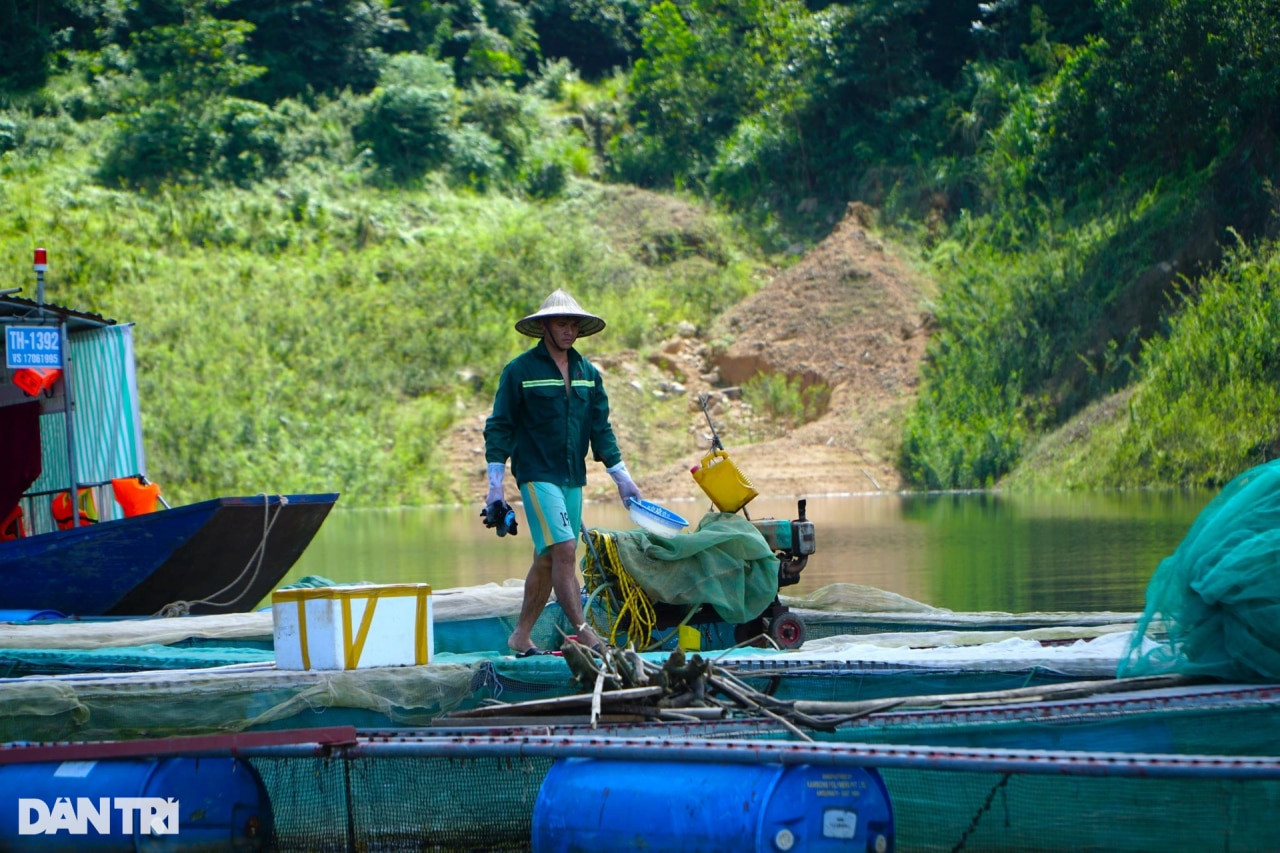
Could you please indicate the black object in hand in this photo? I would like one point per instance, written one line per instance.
(499, 514)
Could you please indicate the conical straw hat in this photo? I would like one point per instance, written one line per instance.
(559, 304)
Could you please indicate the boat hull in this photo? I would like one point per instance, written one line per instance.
(200, 558)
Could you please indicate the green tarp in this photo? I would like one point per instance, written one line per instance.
(725, 562)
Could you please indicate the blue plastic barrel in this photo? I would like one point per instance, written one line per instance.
(29, 615)
(589, 805)
(179, 804)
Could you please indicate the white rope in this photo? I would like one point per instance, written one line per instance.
(183, 608)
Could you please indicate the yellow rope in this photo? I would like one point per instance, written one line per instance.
(623, 592)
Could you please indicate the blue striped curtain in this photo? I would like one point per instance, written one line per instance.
(108, 427)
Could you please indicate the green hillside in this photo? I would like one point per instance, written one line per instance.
(325, 217)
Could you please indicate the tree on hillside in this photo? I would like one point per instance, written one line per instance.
(481, 39)
(706, 65)
(33, 32)
(310, 45)
(183, 124)
(597, 36)
(410, 117)
(1170, 84)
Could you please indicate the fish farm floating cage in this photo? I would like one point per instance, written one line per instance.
(712, 786)
(467, 792)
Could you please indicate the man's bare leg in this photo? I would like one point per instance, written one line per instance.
(564, 578)
(554, 569)
(537, 588)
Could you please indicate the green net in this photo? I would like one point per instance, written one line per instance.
(1013, 812)
(228, 699)
(1213, 606)
(725, 563)
(380, 803)
(389, 804)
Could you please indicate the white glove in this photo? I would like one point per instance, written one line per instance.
(497, 470)
(627, 489)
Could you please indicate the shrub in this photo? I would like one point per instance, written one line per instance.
(409, 118)
(547, 170)
(10, 134)
(475, 158)
(504, 115)
(785, 400)
(159, 142)
(229, 139)
(251, 144)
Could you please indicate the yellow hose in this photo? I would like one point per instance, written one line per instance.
(623, 598)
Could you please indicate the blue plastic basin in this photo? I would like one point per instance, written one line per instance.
(656, 518)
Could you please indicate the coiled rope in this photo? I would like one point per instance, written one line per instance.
(183, 608)
(605, 576)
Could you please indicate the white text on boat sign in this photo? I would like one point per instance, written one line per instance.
(33, 346)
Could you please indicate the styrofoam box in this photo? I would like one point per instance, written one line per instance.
(353, 627)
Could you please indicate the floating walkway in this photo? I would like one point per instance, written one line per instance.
(129, 678)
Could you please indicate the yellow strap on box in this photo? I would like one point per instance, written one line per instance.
(353, 649)
(420, 629)
(302, 632)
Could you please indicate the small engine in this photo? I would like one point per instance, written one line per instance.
(792, 541)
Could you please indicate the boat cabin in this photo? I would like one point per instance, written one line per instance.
(50, 450)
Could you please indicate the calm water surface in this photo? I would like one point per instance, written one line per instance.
(959, 551)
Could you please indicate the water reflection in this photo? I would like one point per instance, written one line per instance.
(960, 551)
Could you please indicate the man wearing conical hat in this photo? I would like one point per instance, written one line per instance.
(549, 410)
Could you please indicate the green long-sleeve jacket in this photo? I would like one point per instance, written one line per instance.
(543, 429)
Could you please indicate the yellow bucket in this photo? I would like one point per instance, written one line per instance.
(728, 488)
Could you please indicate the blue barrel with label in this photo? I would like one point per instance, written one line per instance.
(170, 804)
(590, 805)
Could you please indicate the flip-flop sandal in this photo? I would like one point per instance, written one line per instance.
(534, 651)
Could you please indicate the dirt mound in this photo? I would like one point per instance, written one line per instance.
(847, 322)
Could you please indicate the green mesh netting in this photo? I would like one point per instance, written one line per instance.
(185, 702)
(1213, 606)
(486, 803)
(725, 562)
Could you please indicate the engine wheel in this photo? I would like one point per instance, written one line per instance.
(787, 631)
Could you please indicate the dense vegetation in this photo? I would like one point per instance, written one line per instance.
(325, 215)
